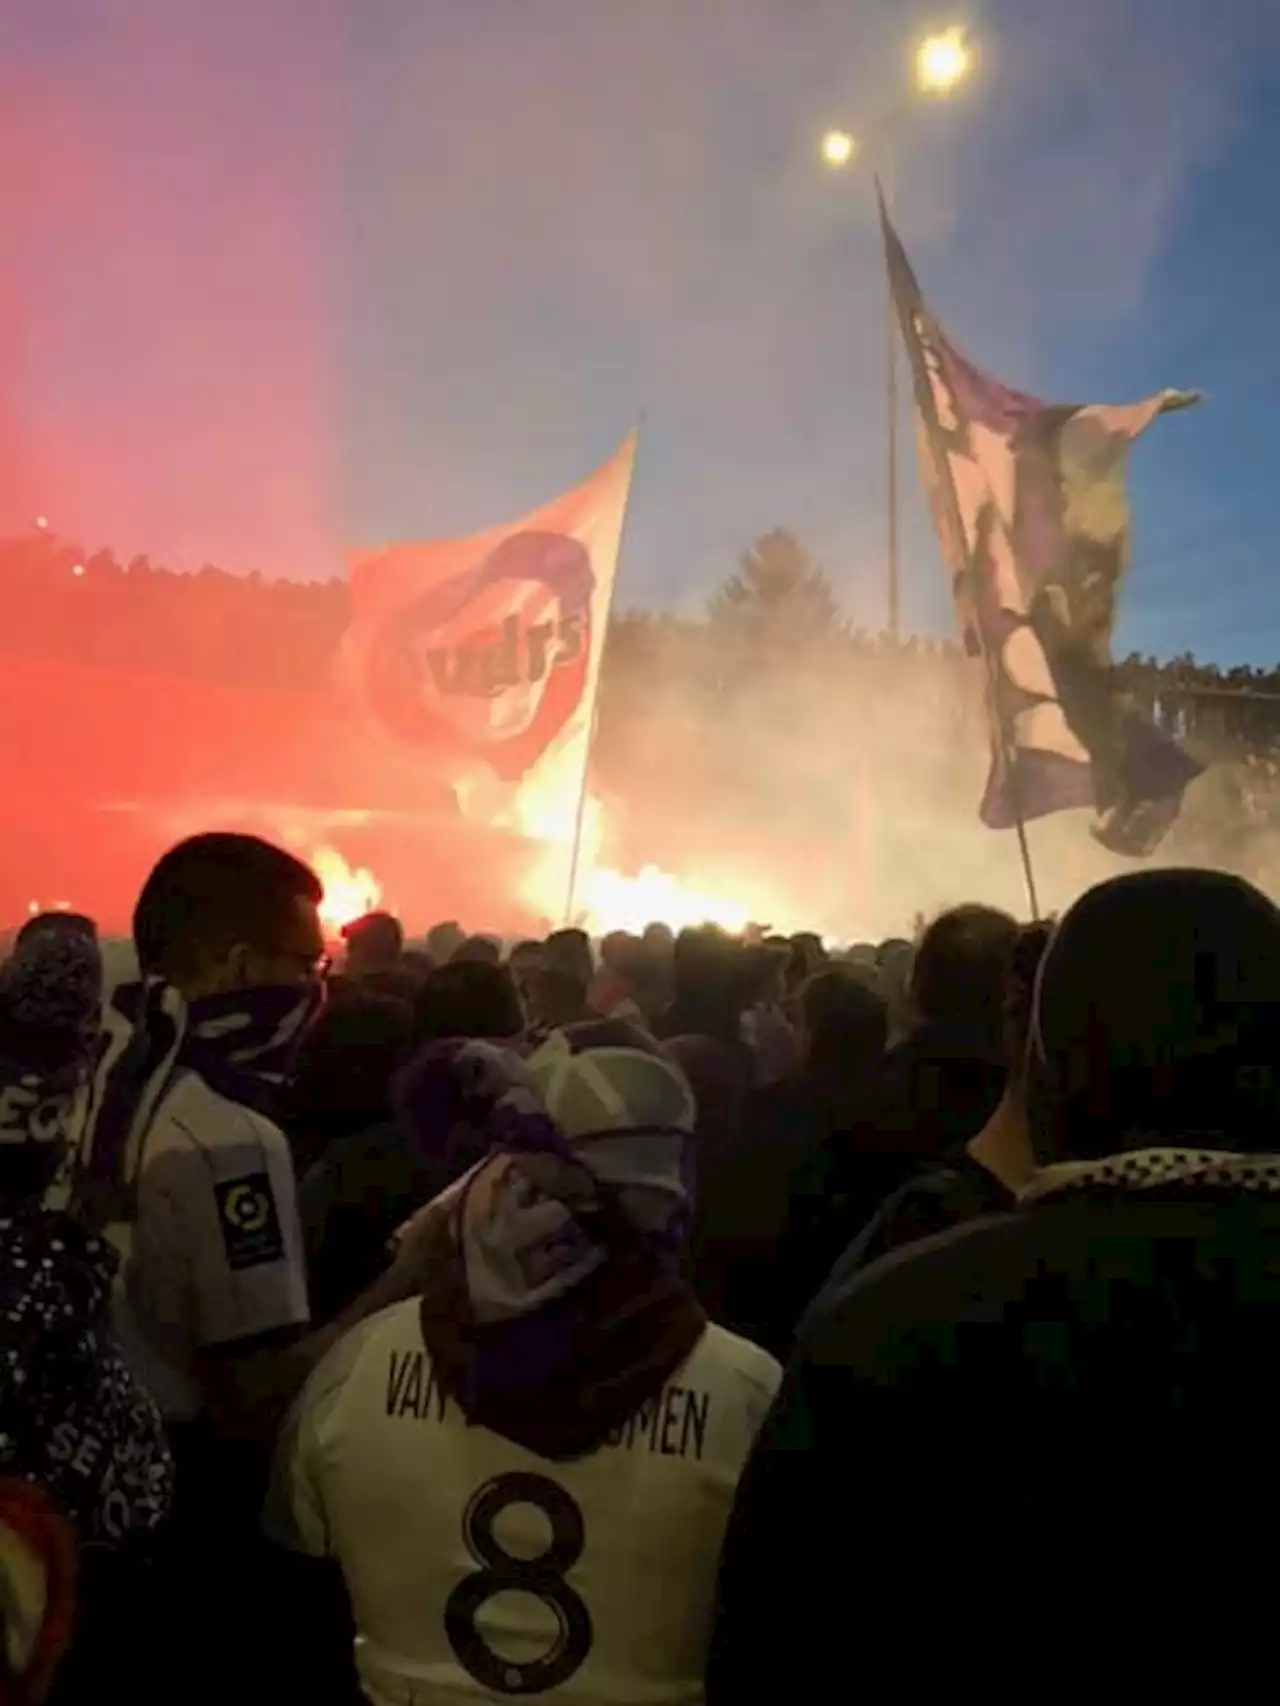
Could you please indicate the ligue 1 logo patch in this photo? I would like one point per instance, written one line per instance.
(250, 1225)
(492, 661)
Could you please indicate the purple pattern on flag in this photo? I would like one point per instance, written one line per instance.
(1030, 505)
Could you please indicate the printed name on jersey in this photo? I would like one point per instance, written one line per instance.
(674, 1424)
(249, 1220)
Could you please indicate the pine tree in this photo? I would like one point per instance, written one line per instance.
(780, 596)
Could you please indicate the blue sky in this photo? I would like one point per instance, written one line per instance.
(289, 275)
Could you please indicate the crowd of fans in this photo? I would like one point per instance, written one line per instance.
(662, 1319)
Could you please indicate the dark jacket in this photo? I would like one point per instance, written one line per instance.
(72, 1417)
(940, 1086)
(781, 1205)
(1085, 1391)
(928, 1203)
(352, 1201)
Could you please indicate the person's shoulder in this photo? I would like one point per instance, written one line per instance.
(395, 1327)
(927, 1282)
(193, 1115)
(733, 1360)
(936, 1199)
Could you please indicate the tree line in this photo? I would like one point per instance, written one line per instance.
(775, 625)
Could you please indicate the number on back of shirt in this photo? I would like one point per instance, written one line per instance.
(544, 1577)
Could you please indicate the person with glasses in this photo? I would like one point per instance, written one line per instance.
(183, 1164)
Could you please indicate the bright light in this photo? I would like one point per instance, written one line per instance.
(348, 893)
(77, 569)
(545, 810)
(42, 521)
(612, 901)
(943, 62)
(838, 148)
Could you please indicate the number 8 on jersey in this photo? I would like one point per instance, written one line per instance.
(542, 1576)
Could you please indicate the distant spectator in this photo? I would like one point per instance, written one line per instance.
(659, 941)
(894, 962)
(618, 948)
(444, 940)
(468, 998)
(958, 977)
(807, 956)
(367, 1185)
(707, 989)
(417, 965)
(523, 962)
(981, 1176)
(721, 1082)
(342, 1082)
(765, 1028)
(374, 944)
(369, 1181)
(809, 1170)
(483, 949)
(944, 1078)
(558, 998)
(619, 986)
(569, 951)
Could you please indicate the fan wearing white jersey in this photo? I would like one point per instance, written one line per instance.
(526, 1473)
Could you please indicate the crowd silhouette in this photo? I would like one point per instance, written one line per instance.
(644, 1319)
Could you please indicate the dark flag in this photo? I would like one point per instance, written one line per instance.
(1030, 504)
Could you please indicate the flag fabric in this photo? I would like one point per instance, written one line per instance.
(486, 650)
(1030, 503)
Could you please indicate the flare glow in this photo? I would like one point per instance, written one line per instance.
(349, 892)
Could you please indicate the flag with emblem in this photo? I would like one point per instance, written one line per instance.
(486, 650)
(1030, 503)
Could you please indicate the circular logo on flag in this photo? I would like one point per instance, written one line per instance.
(491, 662)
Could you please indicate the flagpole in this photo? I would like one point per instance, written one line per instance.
(584, 786)
(893, 589)
(891, 471)
(580, 814)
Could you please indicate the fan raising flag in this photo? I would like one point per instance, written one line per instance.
(1030, 504)
(487, 649)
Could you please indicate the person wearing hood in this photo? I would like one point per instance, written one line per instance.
(76, 1427)
(525, 1472)
(1052, 1422)
(72, 1417)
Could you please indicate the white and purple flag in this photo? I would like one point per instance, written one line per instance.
(1031, 507)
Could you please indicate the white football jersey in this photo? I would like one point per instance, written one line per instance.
(214, 1255)
(478, 1570)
